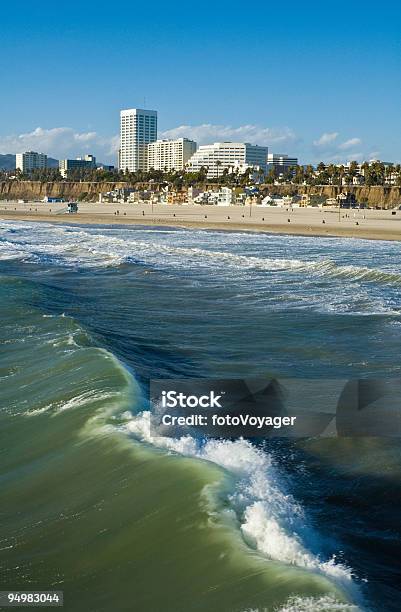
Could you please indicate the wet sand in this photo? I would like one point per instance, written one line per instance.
(370, 224)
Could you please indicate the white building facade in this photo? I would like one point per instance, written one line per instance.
(30, 160)
(170, 154)
(222, 156)
(138, 128)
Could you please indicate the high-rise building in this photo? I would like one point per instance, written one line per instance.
(138, 128)
(170, 154)
(227, 155)
(30, 160)
(66, 165)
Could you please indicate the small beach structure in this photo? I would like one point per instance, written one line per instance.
(72, 207)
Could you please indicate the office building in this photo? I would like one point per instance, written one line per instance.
(138, 128)
(280, 162)
(80, 163)
(222, 156)
(30, 160)
(170, 154)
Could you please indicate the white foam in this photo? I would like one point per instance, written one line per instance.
(271, 519)
(314, 604)
(102, 248)
(82, 399)
(228, 256)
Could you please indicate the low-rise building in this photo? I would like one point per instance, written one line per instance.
(120, 195)
(193, 192)
(177, 196)
(226, 196)
(52, 199)
(346, 199)
(281, 163)
(68, 165)
(306, 200)
(106, 168)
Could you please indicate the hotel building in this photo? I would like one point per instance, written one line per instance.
(170, 154)
(227, 155)
(30, 161)
(138, 128)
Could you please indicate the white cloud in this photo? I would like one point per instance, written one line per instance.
(342, 158)
(328, 149)
(61, 142)
(209, 133)
(325, 139)
(350, 144)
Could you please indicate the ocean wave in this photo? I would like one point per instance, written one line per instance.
(313, 604)
(96, 248)
(271, 520)
(82, 399)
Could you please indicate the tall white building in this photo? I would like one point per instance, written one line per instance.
(138, 128)
(227, 155)
(170, 154)
(30, 160)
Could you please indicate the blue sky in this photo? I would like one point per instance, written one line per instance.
(318, 79)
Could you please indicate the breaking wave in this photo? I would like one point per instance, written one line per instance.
(73, 247)
(270, 518)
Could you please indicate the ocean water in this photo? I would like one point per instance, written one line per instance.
(119, 520)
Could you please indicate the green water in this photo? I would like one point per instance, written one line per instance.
(113, 523)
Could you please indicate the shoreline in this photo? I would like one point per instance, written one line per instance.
(299, 222)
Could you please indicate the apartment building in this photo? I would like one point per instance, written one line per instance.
(170, 155)
(30, 160)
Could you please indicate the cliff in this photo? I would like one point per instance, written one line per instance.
(36, 190)
(386, 197)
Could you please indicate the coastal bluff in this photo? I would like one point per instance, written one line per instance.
(385, 197)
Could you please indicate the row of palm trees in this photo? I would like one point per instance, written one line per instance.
(375, 173)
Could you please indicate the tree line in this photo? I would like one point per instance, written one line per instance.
(375, 173)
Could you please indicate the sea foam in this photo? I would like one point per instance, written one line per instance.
(271, 519)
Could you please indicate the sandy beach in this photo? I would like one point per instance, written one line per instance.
(369, 224)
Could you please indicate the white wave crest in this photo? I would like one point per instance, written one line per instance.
(314, 604)
(87, 397)
(326, 603)
(101, 248)
(271, 519)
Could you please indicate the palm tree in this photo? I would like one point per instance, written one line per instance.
(218, 164)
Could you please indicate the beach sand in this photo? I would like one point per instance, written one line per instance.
(370, 224)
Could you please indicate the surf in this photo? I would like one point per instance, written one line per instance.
(74, 477)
